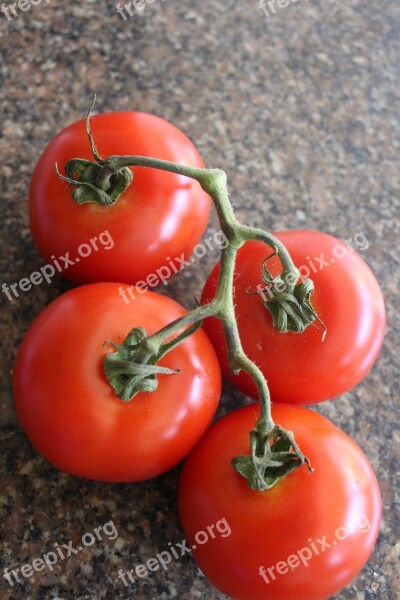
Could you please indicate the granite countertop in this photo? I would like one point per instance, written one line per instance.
(301, 109)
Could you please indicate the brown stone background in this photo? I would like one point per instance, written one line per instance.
(302, 112)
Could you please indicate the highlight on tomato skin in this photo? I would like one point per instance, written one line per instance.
(159, 218)
(300, 368)
(70, 412)
(307, 537)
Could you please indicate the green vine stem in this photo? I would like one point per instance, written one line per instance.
(133, 368)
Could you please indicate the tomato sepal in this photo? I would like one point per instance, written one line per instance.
(133, 367)
(127, 376)
(95, 181)
(273, 456)
(288, 302)
(85, 176)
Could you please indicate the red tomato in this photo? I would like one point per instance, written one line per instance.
(159, 218)
(300, 367)
(70, 412)
(304, 539)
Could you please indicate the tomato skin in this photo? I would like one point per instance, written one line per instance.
(70, 412)
(159, 217)
(300, 367)
(268, 527)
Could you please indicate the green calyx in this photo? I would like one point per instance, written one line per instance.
(289, 303)
(95, 181)
(86, 178)
(274, 454)
(132, 369)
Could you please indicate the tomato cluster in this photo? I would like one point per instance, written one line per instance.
(311, 533)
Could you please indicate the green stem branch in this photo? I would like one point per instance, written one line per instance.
(133, 368)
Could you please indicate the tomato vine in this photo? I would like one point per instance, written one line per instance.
(274, 452)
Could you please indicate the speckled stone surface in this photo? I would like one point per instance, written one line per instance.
(302, 111)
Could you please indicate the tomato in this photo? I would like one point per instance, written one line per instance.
(71, 413)
(306, 538)
(157, 220)
(300, 367)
